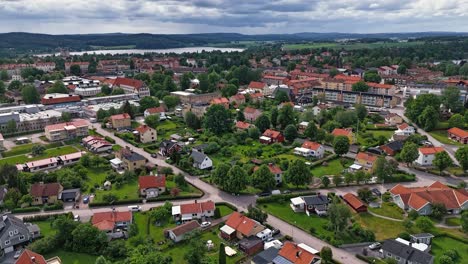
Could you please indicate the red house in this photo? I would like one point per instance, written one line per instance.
(355, 203)
(458, 134)
(271, 136)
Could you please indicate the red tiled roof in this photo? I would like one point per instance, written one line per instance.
(256, 95)
(430, 150)
(145, 182)
(366, 156)
(222, 100)
(197, 207)
(137, 84)
(120, 116)
(45, 189)
(353, 200)
(341, 132)
(295, 254)
(458, 132)
(403, 126)
(61, 126)
(311, 145)
(241, 223)
(416, 202)
(257, 85)
(271, 133)
(106, 220)
(27, 258)
(242, 125)
(272, 167)
(143, 128)
(379, 85)
(238, 97)
(155, 110)
(60, 100)
(185, 228)
(251, 110)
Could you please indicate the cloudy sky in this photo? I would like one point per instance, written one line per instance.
(242, 16)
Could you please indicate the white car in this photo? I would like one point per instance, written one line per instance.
(375, 246)
(76, 218)
(205, 224)
(18, 254)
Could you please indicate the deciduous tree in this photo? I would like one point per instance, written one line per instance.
(298, 173)
(409, 153)
(462, 157)
(263, 179)
(341, 145)
(442, 161)
(217, 120)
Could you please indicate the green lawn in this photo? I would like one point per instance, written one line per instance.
(72, 257)
(389, 210)
(383, 229)
(53, 152)
(46, 228)
(97, 176)
(334, 167)
(372, 141)
(155, 232)
(18, 150)
(174, 126)
(453, 221)
(125, 192)
(224, 210)
(441, 135)
(443, 243)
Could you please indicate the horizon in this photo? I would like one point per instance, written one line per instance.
(250, 17)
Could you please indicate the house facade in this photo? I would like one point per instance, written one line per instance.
(130, 160)
(71, 158)
(393, 119)
(146, 134)
(317, 204)
(310, 149)
(168, 147)
(13, 232)
(457, 134)
(45, 193)
(271, 136)
(366, 160)
(405, 129)
(404, 253)
(112, 220)
(151, 186)
(132, 86)
(196, 210)
(251, 114)
(41, 165)
(240, 226)
(201, 160)
(427, 155)
(67, 130)
(120, 121)
(178, 233)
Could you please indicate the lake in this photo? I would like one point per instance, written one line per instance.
(143, 51)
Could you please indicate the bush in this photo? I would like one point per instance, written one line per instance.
(56, 206)
(280, 198)
(109, 139)
(26, 210)
(217, 214)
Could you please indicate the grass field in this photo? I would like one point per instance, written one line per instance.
(334, 167)
(224, 210)
(443, 243)
(72, 257)
(125, 192)
(389, 210)
(54, 152)
(351, 46)
(441, 135)
(383, 229)
(453, 221)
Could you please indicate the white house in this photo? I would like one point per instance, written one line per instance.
(310, 149)
(156, 110)
(427, 155)
(405, 129)
(196, 210)
(276, 171)
(201, 161)
(177, 234)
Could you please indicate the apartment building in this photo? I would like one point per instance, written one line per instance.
(67, 130)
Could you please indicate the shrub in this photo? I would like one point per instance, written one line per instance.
(26, 210)
(109, 139)
(217, 214)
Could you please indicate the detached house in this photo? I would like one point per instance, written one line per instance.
(310, 149)
(45, 193)
(271, 136)
(317, 204)
(240, 226)
(13, 233)
(221, 101)
(355, 203)
(168, 147)
(96, 144)
(151, 186)
(178, 233)
(112, 220)
(458, 135)
(146, 134)
(237, 99)
(120, 121)
(201, 160)
(196, 210)
(292, 253)
(393, 119)
(130, 160)
(275, 170)
(251, 114)
(132, 86)
(421, 199)
(405, 253)
(156, 111)
(346, 132)
(367, 161)
(427, 155)
(242, 126)
(405, 129)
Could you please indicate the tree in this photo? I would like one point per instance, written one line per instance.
(364, 194)
(147, 254)
(348, 178)
(204, 85)
(58, 87)
(339, 216)
(333, 72)
(254, 132)
(217, 120)
(222, 254)
(127, 108)
(464, 221)
(286, 116)
(171, 101)
(291, 66)
(462, 157)
(311, 131)
(327, 255)
(102, 260)
(256, 214)
(298, 173)
(361, 111)
(325, 181)
(75, 70)
(14, 85)
(185, 81)
(346, 118)
(424, 223)
(451, 99)
(236, 179)
(219, 175)
(444, 259)
(337, 179)
(106, 90)
(341, 145)
(359, 176)
(383, 168)
(457, 120)
(2, 88)
(438, 211)
(240, 116)
(442, 161)
(3, 75)
(281, 97)
(290, 133)
(148, 102)
(274, 117)
(169, 85)
(372, 76)
(263, 179)
(262, 123)
(229, 90)
(196, 251)
(360, 86)
(428, 118)
(409, 153)
(11, 126)
(117, 91)
(37, 150)
(401, 69)
(96, 240)
(30, 95)
(66, 116)
(192, 120)
(152, 120)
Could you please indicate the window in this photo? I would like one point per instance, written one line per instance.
(10, 233)
(21, 237)
(389, 255)
(7, 242)
(15, 232)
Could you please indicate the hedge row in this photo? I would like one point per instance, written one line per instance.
(319, 162)
(128, 201)
(109, 139)
(283, 197)
(45, 217)
(171, 198)
(53, 207)
(452, 237)
(232, 207)
(26, 210)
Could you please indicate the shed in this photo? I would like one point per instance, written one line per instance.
(251, 245)
(355, 203)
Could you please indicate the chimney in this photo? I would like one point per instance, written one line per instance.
(298, 253)
(195, 201)
(33, 259)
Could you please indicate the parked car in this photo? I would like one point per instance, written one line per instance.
(86, 199)
(134, 208)
(375, 246)
(275, 232)
(376, 192)
(18, 254)
(205, 224)
(263, 194)
(286, 191)
(154, 155)
(76, 218)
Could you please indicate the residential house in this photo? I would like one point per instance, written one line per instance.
(237, 99)
(250, 245)
(70, 195)
(30, 257)
(84, 65)
(427, 155)
(96, 144)
(355, 203)
(421, 199)
(266, 256)
(346, 132)
(256, 97)
(146, 134)
(120, 121)
(242, 126)
(168, 147)
(292, 253)
(310, 149)
(70, 159)
(271, 136)
(45, 193)
(196, 210)
(319, 108)
(317, 204)
(178, 233)
(392, 147)
(251, 114)
(302, 127)
(240, 226)
(130, 160)
(13, 233)
(201, 160)
(404, 253)
(393, 119)
(258, 86)
(405, 129)
(151, 186)
(458, 135)
(367, 161)
(111, 220)
(275, 170)
(40, 165)
(132, 86)
(67, 130)
(160, 110)
(220, 101)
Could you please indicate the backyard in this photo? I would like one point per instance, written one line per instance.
(72, 257)
(441, 244)
(48, 153)
(333, 167)
(441, 135)
(389, 210)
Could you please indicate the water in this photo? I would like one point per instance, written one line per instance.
(143, 51)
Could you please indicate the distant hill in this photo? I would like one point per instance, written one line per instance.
(19, 42)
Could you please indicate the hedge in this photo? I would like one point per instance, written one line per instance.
(171, 198)
(452, 237)
(230, 206)
(53, 207)
(35, 218)
(282, 197)
(109, 139)
(26, 210)
(128, 201)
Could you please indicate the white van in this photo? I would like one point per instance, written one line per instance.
(134, 208)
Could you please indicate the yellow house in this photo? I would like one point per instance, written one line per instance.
(146, 134)
(131, 160)
(120, 121)
(367, 161)
(347, 132)
(45, 193)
